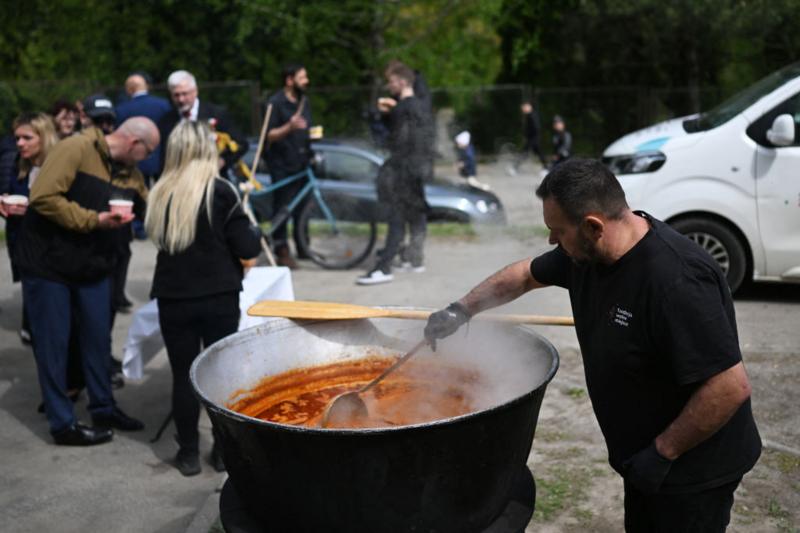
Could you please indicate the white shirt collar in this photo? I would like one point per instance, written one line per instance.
(195, 109)
(139, 93)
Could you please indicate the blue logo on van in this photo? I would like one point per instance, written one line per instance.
(652, 145)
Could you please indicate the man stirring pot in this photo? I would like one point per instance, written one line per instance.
(657, 330)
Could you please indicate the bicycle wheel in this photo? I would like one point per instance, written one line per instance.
(343, 246)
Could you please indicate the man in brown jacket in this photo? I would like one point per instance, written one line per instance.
(66, 259)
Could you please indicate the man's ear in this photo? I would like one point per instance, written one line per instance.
(594, 226)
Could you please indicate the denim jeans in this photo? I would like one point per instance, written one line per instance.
(50, 307)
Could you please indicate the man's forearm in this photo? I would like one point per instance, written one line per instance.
(276, 134)
(708, 409)
(501, 287)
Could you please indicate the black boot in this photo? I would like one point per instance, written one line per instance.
(187, 462)
(284, 258)
(216, 458)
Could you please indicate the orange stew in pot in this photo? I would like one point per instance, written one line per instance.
(420, 391)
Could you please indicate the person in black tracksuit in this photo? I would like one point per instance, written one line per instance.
(531, 139)
(196, 283)
(401, 181)
(562, 142)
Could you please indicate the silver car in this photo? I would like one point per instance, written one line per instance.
(346, 169)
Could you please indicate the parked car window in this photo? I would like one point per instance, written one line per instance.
(342, 166)
(758, 129)
(319, 164)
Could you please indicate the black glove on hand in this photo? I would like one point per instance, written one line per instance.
(444, 323)
(647, 469)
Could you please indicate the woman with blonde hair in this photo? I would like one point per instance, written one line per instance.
(204, 240)
(35, 134)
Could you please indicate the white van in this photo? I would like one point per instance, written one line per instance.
(729, 179)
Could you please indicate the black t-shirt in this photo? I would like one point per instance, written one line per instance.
(291, 154)
(652, 328)
(210, 265)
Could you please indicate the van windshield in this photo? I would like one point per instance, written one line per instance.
(741, 101)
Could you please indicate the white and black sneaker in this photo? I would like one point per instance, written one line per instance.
(375, 277)
(406, 266)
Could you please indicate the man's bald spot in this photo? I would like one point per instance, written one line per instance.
(140, 128)
(135, 83)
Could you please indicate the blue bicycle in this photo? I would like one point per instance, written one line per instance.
(335, 231)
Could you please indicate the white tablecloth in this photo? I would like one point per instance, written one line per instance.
(144, 336)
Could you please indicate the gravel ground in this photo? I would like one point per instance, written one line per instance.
(129, 486)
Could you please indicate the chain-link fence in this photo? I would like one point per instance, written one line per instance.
(594, 116)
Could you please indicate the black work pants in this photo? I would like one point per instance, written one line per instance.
(283, 197)
(708, 511)
(531, 145)
(188, 325)
(417, 221)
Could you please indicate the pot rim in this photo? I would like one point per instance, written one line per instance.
(528, 330)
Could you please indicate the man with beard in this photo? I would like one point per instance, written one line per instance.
(187, 105)
(288, 152)
(657, 331)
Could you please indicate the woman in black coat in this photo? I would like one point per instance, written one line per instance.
(204, 240)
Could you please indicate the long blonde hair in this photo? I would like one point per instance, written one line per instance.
(43, 126)
(188, 178)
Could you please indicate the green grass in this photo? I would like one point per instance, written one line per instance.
(786, 462)
(576, 393)
(441, 230)
(558, 488)
(781, 516)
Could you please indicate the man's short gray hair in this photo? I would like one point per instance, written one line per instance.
(181, 76)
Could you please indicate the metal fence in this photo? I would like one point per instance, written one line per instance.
(594, 116)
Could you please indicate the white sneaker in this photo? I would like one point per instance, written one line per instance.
(374, 277)
(406, 266)
(477, 184)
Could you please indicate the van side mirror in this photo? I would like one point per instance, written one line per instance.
(782, 131)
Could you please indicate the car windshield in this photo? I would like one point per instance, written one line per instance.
(741, 101)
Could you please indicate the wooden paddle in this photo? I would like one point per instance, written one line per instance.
(308, 310)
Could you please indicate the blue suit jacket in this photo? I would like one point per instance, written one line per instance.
(154, 108)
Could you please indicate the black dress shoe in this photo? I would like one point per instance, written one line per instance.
(81, 435)
(117, 381)
(117, 420)
(187, 462)
(216, 459)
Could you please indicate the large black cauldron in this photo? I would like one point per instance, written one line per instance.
(450, 475)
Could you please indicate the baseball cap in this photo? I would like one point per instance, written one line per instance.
(98, 106)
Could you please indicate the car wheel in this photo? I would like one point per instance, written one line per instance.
(720, 243)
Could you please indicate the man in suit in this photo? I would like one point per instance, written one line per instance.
(143, 104)
(186, 105)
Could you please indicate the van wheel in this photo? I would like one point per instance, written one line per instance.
(720, 243)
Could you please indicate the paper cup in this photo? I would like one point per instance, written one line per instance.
(15, 199)
(315, 132)
(120, 207)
